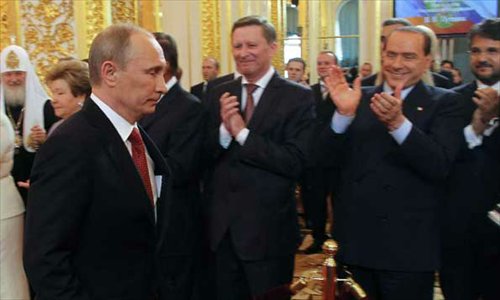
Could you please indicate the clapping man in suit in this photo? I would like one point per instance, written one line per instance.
(394, 145)
(471, 242)
(177, 128)
(258, 139)
(91, 219)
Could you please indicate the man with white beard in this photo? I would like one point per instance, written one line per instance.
(27, 106)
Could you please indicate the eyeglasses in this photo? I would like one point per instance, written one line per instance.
(489, 52)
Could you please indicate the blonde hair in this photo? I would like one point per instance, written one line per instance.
(75, 73)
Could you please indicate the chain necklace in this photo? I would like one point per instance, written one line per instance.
(18, 141)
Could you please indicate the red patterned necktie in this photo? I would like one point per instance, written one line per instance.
(140, 161)
(250, 105)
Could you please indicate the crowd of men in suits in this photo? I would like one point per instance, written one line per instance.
(150, 192)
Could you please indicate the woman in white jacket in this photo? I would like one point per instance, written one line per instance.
(13, 283)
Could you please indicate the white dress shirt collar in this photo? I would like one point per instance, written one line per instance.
(122, 126)
(263, 81)
(171, 83)
(387, 89)
(481, 85)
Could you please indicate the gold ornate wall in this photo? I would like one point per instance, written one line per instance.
(210, 29)
(52, 29)
(278, 19)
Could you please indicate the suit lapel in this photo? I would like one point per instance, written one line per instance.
(118, 153)
(416, 103)
(266, 102)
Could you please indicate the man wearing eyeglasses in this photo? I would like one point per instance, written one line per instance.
(471, 248)
(394, 145)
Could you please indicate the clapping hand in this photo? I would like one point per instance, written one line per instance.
(488, 107)
(346, 99)
(230, 114)
(388, 108)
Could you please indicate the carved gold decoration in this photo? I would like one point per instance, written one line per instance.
(278, 19)
(95, 20)
(48, 32)
(124, 11)
(304, 24)
(9, 24)
(210, 35)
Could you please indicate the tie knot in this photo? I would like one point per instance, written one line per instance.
(135, 137)
(251, 88)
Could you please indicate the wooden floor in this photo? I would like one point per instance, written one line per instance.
(309, 266)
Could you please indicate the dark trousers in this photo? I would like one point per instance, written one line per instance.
(472, 271)
(391, 285)
(234, 278)
(316, 185)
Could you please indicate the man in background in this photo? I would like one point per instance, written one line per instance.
(210, 71)
(295, 69)
(366, 70)
(318, 177)
(471, 241)
(177, 128)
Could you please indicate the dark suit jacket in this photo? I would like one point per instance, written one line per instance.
(473, 187)
(251, 188)
(177, 128)
(90, 227)
(197, 90)
(386, 209)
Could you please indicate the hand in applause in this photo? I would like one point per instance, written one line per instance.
(388, 109)
(230, 114)
(38, 135)
(346, 99)
(488, 107)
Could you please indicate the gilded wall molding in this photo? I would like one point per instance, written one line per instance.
(210, 29)
(278, 19)
(95, 20)
(124, 11)
(48, 27)
(9, 28)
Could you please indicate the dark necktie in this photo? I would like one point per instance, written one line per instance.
(250, 105)
(140, 161)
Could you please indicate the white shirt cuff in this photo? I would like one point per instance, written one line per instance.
(472, 139)
(340, 122)
(488, 131)
(402, 132)
(224, 136)
(242, 136)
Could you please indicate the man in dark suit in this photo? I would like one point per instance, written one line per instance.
(394, 154)
(257, 142)
(91, 220)
(471, 241)
(318, 177)
(210, 71)
(177, 128)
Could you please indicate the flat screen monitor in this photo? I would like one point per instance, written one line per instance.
(446, 17)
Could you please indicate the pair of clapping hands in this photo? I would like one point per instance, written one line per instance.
(387, 108)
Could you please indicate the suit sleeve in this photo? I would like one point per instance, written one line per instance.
(57, 204)
(432, 153)
(184, 146)
(286, 158)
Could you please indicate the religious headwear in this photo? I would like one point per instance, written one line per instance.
(14, 58)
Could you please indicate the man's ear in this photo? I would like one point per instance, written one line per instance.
(109, 73)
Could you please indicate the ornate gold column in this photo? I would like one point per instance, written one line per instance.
(124, 11)
(91, 16)
(10, 31)
(210, 28)
(304, 23)
(278, 19)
